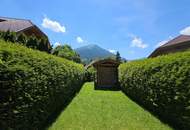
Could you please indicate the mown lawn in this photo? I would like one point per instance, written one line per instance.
(105, 110)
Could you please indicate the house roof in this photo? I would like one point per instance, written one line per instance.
(14, 24)
(180, 40)
(177, 40)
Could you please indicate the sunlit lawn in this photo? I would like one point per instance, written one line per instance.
(105, 110)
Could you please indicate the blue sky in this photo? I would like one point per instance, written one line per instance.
(132, 27)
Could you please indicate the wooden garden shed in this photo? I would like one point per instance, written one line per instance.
(107, 74)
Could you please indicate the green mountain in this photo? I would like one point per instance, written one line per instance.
(91, 52)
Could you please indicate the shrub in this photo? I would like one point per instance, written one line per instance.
(162, 85)
(34, 85)
(43, 45)
(90, 74)
(9, 36)
(22, 39)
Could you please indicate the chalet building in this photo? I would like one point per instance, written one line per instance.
(21, 26)
(180, 43)
(107, 74)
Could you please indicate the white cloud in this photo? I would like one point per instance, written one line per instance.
(137, 42)
(56, 44)
(53, 25)
(112, 51)
(185, 31)
(79, 40)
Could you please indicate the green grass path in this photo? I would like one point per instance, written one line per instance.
(105, 110)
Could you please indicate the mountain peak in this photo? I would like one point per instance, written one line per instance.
(89, 46)
(93, 51)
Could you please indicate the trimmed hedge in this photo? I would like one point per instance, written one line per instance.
(161, 85)
(34, 85)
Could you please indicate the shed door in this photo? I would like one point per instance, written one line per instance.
(107, 76)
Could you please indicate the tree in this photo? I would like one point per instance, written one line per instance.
(56, 50)
(118, 57)
(76, 58)
(67, 52)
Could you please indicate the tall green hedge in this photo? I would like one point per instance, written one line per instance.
(162, 85)
(33, 85)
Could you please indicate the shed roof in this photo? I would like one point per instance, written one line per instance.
(106, 62)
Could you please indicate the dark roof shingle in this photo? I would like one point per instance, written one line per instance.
(177, 44)
(177, 40)
(14, 25)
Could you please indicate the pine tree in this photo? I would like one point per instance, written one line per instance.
(118, 57)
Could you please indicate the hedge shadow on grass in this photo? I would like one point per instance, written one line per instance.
(52, 118)
(154, 113)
